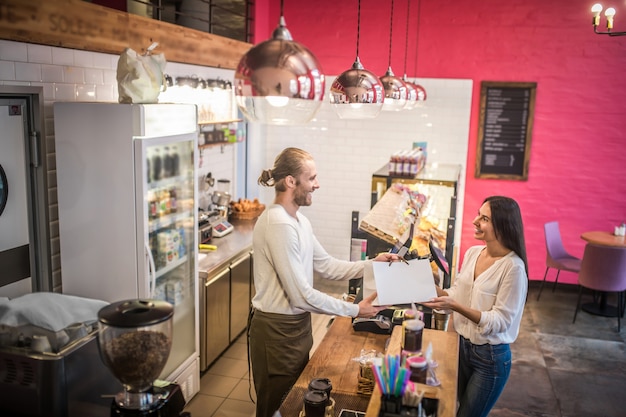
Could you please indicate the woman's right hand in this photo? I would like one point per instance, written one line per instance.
(443, 302)
(366, 309)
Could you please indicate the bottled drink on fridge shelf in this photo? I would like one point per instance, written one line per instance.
(175, 161)
(172, 201)
(148, 166)
(157, 165)
(168, 163)
(164, 202)
(153, 211)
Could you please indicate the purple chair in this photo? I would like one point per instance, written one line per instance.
(556, 255)
(604, 269)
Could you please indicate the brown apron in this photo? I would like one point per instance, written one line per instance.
(279, 351)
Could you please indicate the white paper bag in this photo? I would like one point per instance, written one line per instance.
(140, 78)
(399, 283)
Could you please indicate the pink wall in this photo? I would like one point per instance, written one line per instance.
(577, 171)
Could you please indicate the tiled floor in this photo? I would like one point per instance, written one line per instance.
(225, 388)
(560, 369)
(565, 369)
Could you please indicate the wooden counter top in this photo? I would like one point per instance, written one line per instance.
(446, 354)
(333, 360)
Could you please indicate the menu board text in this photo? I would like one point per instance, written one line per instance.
(504, 132)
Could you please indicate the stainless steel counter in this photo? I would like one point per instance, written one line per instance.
(225, 290)
(228, 247)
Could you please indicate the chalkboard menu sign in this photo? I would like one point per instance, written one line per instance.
(504, 130)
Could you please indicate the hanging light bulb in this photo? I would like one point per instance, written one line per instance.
(411, 94)
(395, 88)
(279, 81)
(357, 93)
(596, 9)
(411, 89)
(421, 91)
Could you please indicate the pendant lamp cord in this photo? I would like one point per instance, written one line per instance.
(358, 29)
(417, 32)
(406, 45)
(281, 8)
(390, 32)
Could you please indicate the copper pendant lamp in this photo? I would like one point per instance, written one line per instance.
(279, 81)
(395, 88)
(357, 93)
(420, 91)
(411, 89)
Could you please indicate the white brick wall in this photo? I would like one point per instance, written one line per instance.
(347, 152)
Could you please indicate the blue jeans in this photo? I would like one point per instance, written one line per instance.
(483, 372)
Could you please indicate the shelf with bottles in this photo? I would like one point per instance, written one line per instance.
(220, 133)
(171, 285)
(168, 220)
(435, 174)
(167, 182)
(168, 204)
(171, 266)
(163, 163)
(169, 248)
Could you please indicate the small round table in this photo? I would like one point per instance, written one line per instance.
(602, 238)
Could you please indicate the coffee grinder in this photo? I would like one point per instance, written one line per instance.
(135, 339)
(221, 197)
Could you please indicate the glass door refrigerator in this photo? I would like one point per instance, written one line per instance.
(127, 190)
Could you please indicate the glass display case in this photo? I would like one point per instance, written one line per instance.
(439, 182)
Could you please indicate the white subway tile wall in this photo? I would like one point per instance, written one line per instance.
(7, 70)
(62, 56)
(52, 73)
(347, 152)
(13, 51)
(39, 54)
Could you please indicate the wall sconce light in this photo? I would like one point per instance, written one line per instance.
(596, 9)
(279, 81)
(357, 93)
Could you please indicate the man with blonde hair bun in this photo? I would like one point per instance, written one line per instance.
(286, 255)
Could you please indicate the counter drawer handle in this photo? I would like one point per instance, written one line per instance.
(220, 275)
(240, 260)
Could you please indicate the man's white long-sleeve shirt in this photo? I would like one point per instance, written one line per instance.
(286, 255)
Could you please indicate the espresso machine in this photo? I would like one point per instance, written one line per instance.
(221, 198)
(135, 340)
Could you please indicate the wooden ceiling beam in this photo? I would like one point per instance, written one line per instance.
(77, 24)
